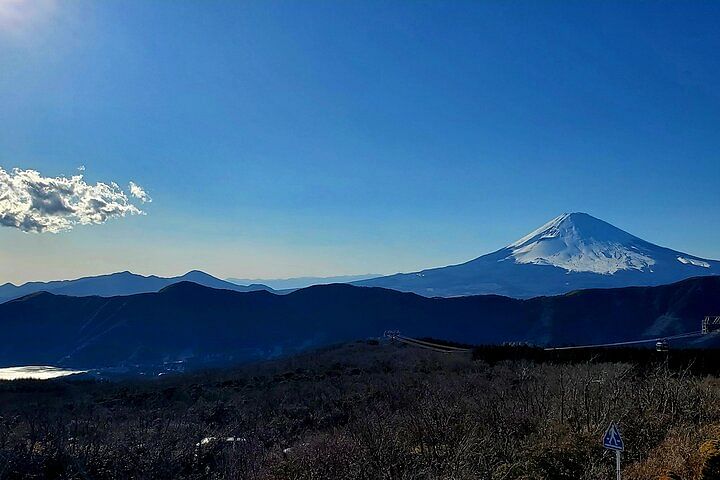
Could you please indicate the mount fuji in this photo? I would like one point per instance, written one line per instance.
(571, 252)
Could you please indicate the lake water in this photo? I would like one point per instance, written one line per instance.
(36, 372)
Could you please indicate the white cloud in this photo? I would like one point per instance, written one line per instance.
(33, 203)
(138, 192)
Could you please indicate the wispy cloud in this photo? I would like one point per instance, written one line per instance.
(138, 192)
(33, 203)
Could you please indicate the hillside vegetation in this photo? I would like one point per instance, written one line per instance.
(371, 410)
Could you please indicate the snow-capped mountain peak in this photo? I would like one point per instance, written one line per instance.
(572, 251)
(578, 242)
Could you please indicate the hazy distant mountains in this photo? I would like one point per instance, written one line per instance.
(122, 283)
(190, 321)
(571, 252)
(301, 282)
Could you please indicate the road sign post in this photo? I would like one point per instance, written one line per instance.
(613, 441)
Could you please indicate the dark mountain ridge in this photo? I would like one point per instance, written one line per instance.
(190, 321)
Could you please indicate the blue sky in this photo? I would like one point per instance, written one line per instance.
(318, 138)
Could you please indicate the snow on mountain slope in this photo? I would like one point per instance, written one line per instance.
(581, 243)
(693, 261)
(572, 251)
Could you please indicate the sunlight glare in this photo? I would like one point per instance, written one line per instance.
(17, 16)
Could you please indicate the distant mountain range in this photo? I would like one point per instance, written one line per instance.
(189, 321)
(571, 252)
(301, 282)
(121, 283)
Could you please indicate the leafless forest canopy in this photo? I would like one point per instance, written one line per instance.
(370, 410)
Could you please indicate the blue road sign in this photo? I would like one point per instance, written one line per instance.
(612, 439)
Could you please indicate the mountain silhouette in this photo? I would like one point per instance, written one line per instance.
(189, 321)
(121, 283)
